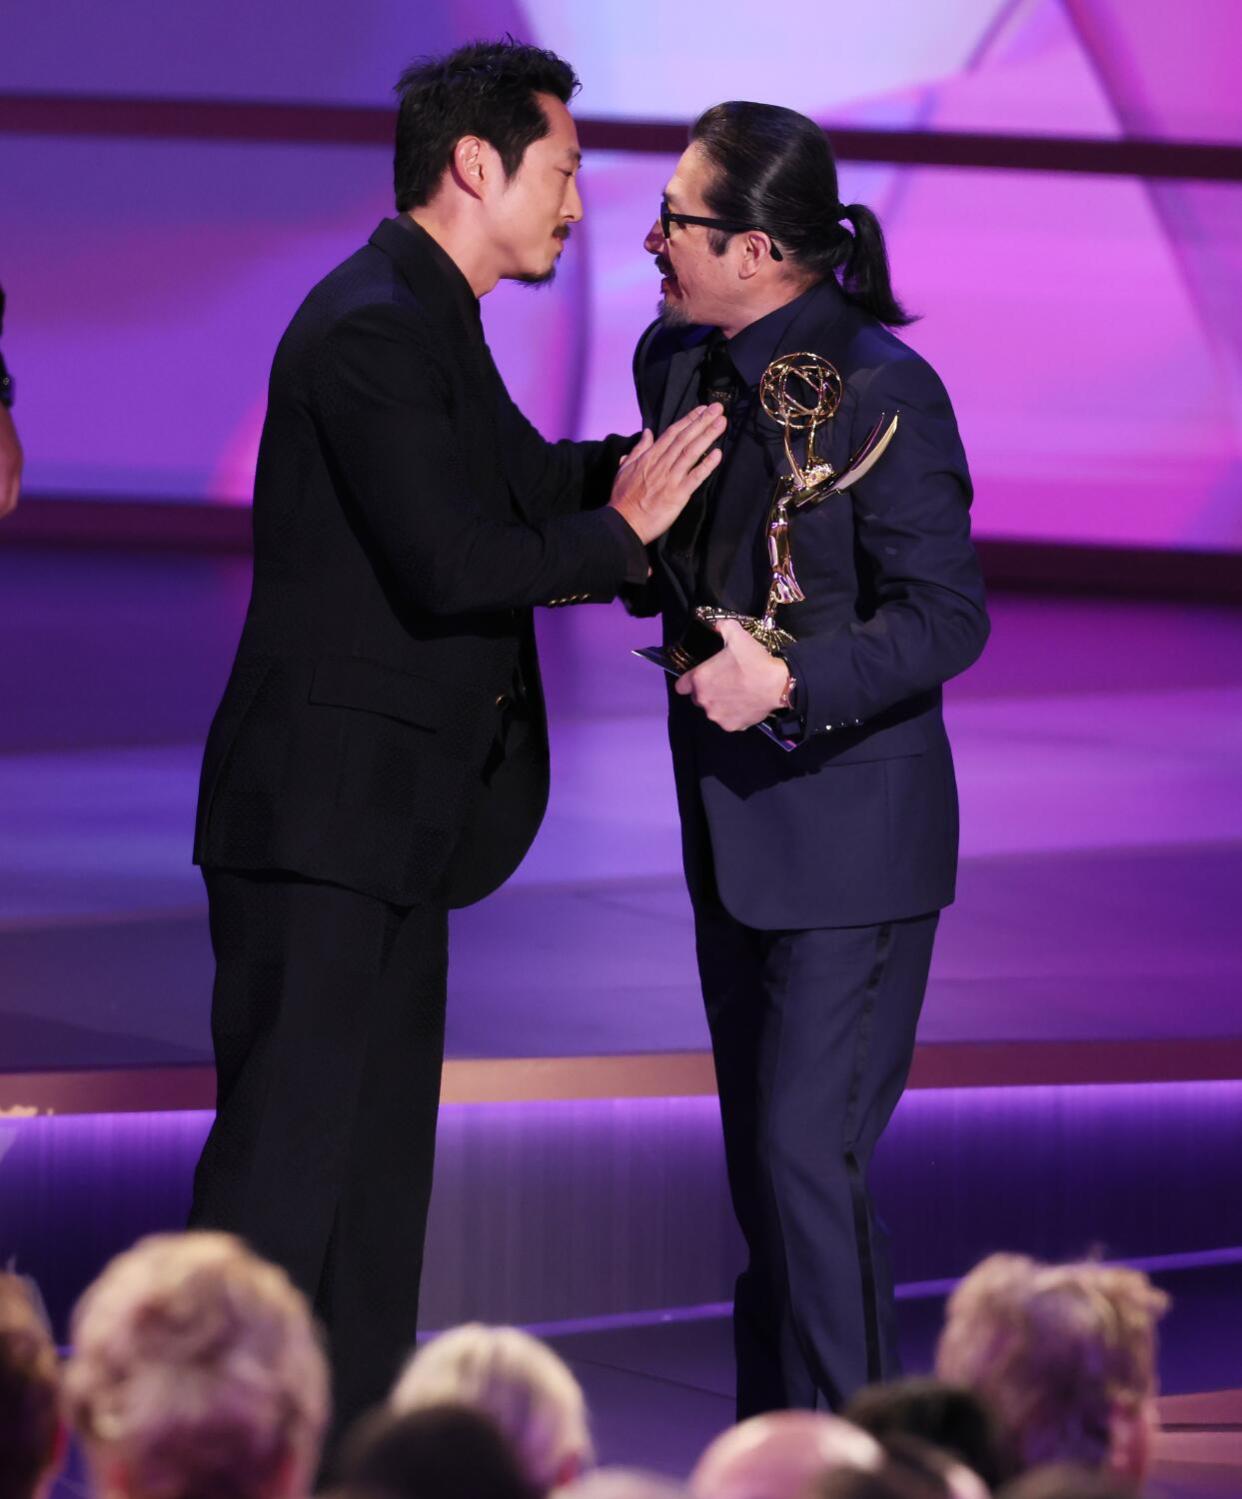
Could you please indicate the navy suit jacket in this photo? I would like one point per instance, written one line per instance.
(859, 824)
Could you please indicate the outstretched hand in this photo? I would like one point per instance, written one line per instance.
(657, 477)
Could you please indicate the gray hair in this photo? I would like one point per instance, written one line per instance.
(197, 1364)
(1055, 1350)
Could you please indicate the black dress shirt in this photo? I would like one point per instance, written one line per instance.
(738, 502)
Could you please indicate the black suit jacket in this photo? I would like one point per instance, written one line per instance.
(859, 824)
(383, 726)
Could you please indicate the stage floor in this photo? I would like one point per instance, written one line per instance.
(1096, 938)
(1099, 753)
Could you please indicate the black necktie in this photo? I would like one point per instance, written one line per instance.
(718, 381)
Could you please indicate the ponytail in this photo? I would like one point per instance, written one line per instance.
(865, 276)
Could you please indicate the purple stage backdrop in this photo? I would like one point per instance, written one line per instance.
(1088, 327)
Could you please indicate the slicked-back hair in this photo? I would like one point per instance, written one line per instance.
(774, 168)
(486, 89)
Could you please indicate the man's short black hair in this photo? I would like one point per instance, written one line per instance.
(486, 89)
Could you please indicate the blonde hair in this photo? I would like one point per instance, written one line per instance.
(196, 1364)
(526, 1389)
(1056, 1350)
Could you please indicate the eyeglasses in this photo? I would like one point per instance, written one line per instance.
(668, 218)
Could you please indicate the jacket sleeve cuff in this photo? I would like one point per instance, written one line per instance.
(817, 712)
(634, 553)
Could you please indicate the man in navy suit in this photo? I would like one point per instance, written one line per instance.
(817, 876)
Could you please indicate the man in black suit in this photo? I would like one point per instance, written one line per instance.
(380, 754)
(817, 876)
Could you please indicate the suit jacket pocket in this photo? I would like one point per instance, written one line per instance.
(371, 687)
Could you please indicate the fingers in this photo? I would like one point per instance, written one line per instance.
(643, 445)
(696, 472)
(695, 438)
(682, 424)
(689, 429)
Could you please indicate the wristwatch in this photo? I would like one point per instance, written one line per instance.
(789, 696)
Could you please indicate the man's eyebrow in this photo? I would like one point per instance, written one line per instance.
(669, 198)
(574, 155)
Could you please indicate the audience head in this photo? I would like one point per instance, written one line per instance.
(919, 1462)
(196, 1374)
(625, 1483)
(775, 1456)
(949, 1418)
(1065, 1355)
(435, 1452)
(519, 1382)
(910, 1470)
(1063, 1481)
(31, 1438)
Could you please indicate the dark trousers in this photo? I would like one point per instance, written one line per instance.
(813, 1035)
(328, 1026)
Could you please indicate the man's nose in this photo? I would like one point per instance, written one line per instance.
(573, 204)
(654, 242)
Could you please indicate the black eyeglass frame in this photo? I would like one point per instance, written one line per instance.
(668, 218)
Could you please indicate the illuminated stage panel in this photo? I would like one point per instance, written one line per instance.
(811, 60)
(1035, 63)
(295, 50)
(142, 346)
(627, 1198)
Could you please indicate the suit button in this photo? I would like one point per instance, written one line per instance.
(503, 700)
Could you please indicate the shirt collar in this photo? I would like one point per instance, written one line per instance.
(457, 286)
(755, 347)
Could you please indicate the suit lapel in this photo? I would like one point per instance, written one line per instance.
(682, 387)
(681, 391)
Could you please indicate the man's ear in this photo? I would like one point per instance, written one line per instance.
(470, 164)
(756, 253)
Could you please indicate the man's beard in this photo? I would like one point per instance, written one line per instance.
(544, 278)
(671, 312)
